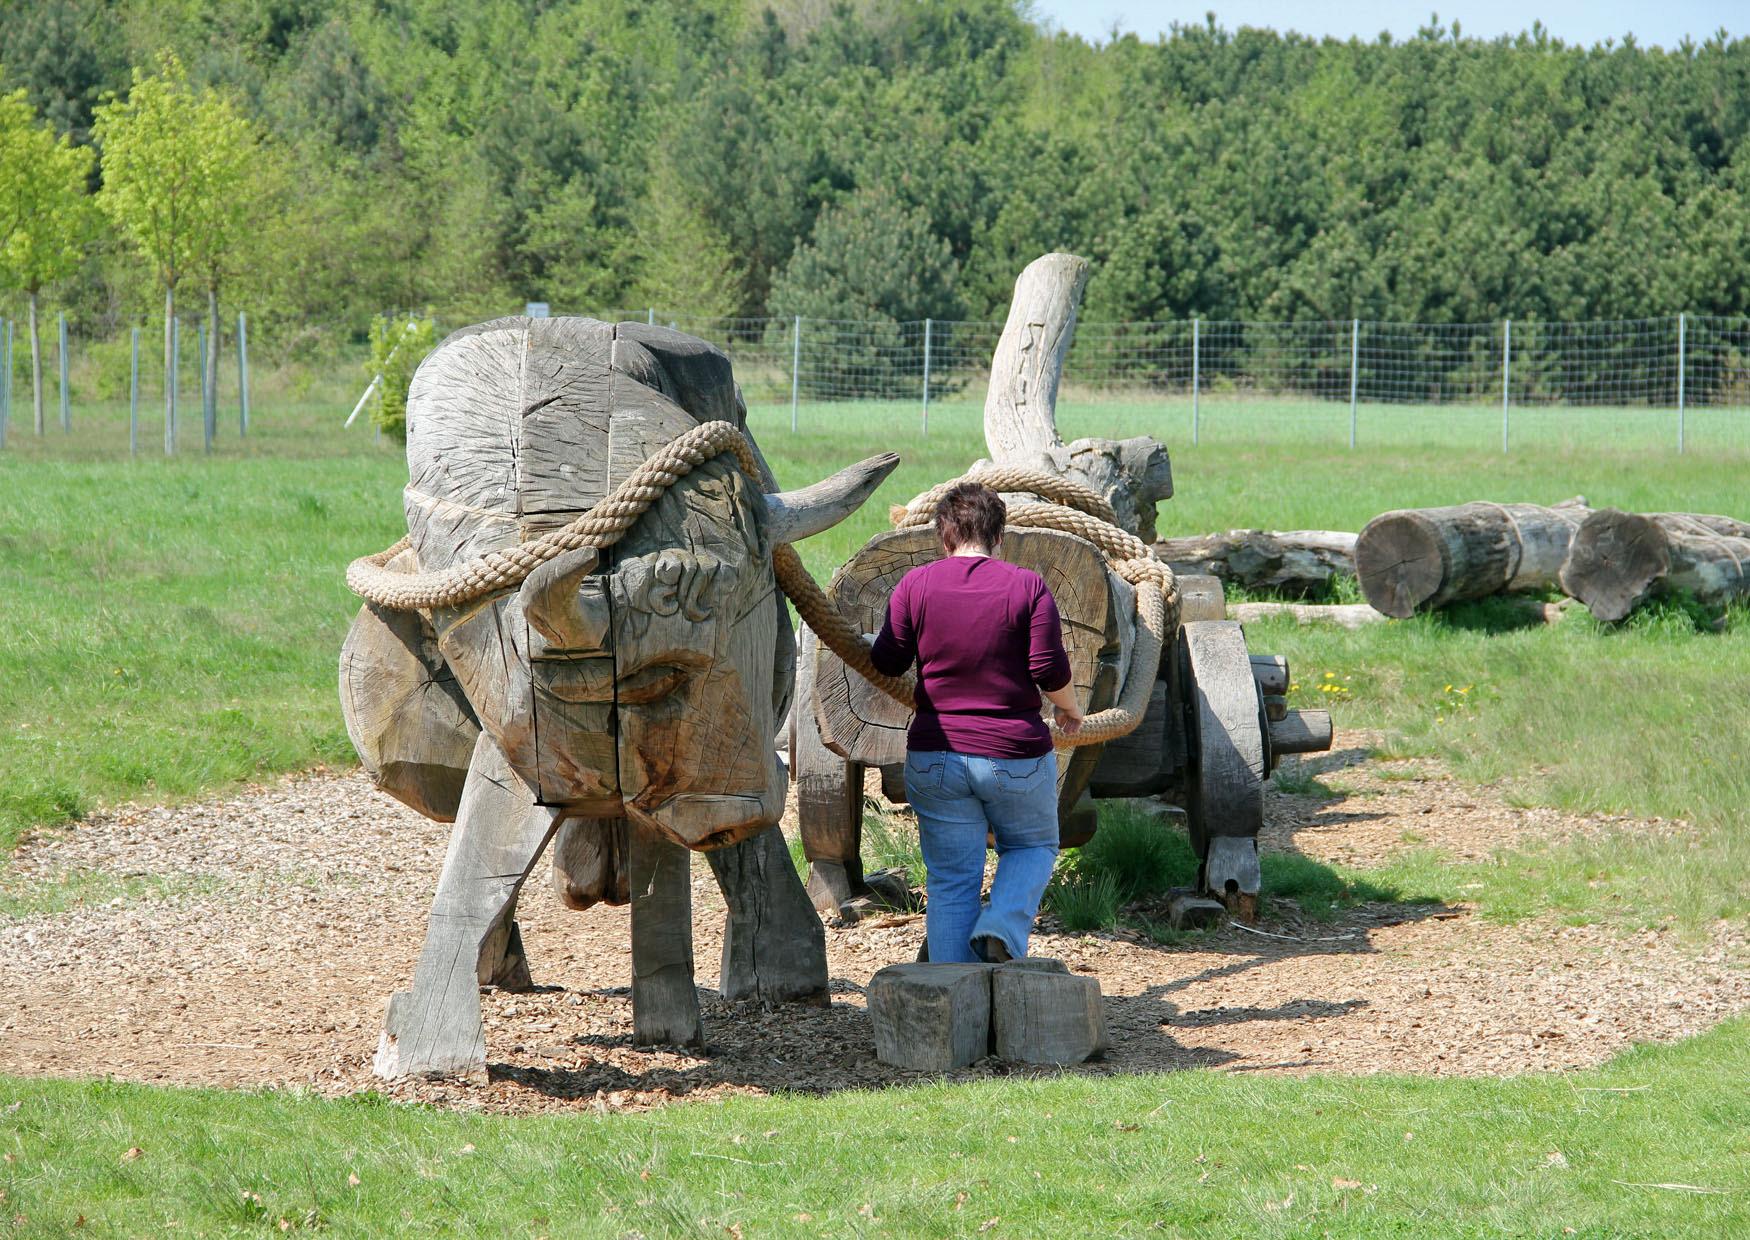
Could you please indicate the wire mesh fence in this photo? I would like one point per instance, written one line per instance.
(1662, 375)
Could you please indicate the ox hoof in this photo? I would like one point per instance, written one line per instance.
(407, 1048)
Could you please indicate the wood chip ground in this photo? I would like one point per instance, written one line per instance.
(274, 924)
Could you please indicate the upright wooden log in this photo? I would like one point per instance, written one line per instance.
(1293, 561)
(1620, 559)
(665, 1004)
(1421, 558)
(435, 1027)
(1020, 408)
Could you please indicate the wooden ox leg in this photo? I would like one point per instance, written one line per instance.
(774, 947)
(829, 799)
(499, 832)
(665, 1005)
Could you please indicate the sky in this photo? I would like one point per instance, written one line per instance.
(1660, 22)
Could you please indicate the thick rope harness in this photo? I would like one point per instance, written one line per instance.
(1070, 507)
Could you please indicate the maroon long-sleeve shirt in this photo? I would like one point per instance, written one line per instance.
(987, 639)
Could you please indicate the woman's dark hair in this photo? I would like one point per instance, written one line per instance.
(970, 514)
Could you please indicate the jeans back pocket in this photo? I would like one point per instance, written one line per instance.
(1022, 776)
(925, 770)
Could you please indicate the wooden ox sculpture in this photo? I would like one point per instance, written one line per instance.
(622, 698)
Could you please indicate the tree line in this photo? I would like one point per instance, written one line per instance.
(326, 160)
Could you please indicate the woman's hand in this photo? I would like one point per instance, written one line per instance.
(1067, 714)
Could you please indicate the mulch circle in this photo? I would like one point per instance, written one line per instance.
(269, 928)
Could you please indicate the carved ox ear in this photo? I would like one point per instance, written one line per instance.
(553, 603)
(794, 515)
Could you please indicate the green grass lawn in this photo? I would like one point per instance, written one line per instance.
(173, 627)
(175, 623)
(1655, 1143)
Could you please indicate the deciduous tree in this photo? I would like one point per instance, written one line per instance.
(45, 215)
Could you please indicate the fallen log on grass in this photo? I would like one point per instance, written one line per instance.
(1619, 559)
(1420, 558)
(1344, 615)
(1293, 561)
(1360, 615)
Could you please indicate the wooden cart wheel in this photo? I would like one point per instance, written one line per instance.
(1226, 731)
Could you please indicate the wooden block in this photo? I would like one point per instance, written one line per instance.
(1186, 911)
(1201, 597)
(931, 1017)
(1043, 1016)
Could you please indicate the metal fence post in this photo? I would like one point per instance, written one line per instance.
(134, 396)
(1506, 376)
(5, 377)
(200, 350)
(66, 406)
(242, 375)
(1354, 372)
(1196, 360)
(171, 385)
(1682, 324)
(927, 324)
(795, 366)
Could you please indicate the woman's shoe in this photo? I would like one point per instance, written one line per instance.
(991, 949)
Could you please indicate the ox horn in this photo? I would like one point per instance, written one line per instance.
(794, 515)
(551, 601)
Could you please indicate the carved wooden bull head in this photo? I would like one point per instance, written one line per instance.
(645, 679)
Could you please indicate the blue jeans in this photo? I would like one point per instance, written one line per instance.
(958, 798)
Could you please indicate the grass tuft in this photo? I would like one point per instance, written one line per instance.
(1084, 901)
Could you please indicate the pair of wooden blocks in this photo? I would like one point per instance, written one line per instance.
(933, 1017)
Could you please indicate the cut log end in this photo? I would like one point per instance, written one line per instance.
(1614, 561)
(1398, 560)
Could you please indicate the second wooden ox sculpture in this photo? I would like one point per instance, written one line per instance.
(581, 637)
(1211, 719)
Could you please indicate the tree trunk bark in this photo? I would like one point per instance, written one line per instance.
(36, 366)
(1343, 615)
(1294, 561)
(1415, 559)
(1619, 559)
(1360, 615)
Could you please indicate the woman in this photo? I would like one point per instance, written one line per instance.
(987, 640)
